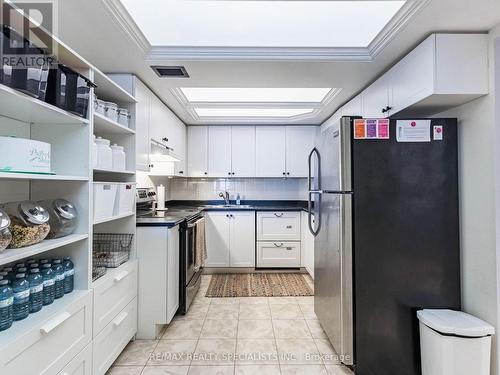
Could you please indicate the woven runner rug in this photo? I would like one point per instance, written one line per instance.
(258, 285)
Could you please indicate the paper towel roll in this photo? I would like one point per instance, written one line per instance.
(160, 197)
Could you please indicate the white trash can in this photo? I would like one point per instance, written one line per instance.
(454, 343)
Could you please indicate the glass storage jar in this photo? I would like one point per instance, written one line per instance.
(29, 223)
(5, 235)
(119, 158)
(123, 117)
(99, 106)
(111, 111)
(63, 217)
(104, 154)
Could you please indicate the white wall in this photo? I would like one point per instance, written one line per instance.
(479, 161)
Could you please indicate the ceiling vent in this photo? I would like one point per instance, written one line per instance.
(171, 71)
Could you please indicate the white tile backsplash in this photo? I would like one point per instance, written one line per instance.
(249, 189)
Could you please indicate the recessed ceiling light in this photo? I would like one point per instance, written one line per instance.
(255, 94)
(262, 23)
(252, 112)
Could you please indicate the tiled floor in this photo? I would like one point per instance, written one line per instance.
(236, 336)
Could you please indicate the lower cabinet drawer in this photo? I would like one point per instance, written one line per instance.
(278, 254)
(114, 337)
(81, 364)
(53, 341)
(113, 292)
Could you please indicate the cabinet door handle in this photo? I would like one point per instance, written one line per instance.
(288, 227)
(181, 172)
(386, 109)
(121, 276)
(120, 319)
(165, 139)
(278, 245)
(56, 322)
(278, 215)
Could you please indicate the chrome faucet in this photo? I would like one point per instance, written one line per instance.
(225, 196)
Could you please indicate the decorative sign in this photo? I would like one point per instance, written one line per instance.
(413, 130)
(371, 129)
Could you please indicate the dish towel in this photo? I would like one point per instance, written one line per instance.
(200, 249)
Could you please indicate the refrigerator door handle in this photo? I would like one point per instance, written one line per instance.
(313, 231)
(309, 161)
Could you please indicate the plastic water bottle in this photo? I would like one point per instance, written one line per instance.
(58, 269)
(21, 289)
(69, 272)
(36, 290)
(34, 265)
(48, 284)
(30, 262)
(6, 305)
(20, 265)
(10, 273)
(44, 261)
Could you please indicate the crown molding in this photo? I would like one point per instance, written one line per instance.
(395, 25)
(126, 23)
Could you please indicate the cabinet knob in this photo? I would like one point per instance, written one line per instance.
(284, 173)
(288, 173)
(227, 215)
(151, 165)
(229, 173)
(165, 139)
(206, 173)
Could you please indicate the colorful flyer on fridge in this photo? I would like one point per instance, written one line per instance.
(383, 129)
(413, 130)
(359, 129)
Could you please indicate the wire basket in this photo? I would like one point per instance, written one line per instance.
(111, 249)
(98, 272)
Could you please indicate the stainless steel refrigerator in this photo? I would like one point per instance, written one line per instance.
(384, 212)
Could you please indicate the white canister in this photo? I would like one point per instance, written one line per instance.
(123, 117)
(104, 154)
(112, 111)
(119, 158)
(95, 153)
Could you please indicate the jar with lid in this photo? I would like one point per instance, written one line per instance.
(111, 111)
(99, 106)
(95, 153)
(123, 117)
(29, 223)
(5, 235)
(104, 153)
(63, 217)
(119, 157)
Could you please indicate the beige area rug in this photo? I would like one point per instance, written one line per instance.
(258, 285)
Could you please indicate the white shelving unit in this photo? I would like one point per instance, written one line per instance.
(70, 137)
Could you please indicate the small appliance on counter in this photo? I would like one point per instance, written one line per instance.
(145, 201)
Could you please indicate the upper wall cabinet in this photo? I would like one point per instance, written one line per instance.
(243, 151)
(270, 154)
(352, 108)
(299, 143)
(197, 151)
(219, 151)
(444, 71)
(143, 115)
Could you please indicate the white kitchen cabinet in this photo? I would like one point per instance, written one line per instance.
(278, 254)
(230, 237)
(108, 345)
(242, 239)
(113, 292)
(81, 364)
(278, 226)
(180, 167)
(243, 151)
(158, 291)
(425, 81)
(197, 151)
(217, 239)
(375, 99)
(270, 151)
(219, 151)
(57, 334)
(307, 246)
(143, 115)
(299, 143)
(353, 107)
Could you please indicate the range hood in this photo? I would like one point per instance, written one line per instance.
(161, 152)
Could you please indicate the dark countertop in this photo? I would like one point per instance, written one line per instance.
(178, 211)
